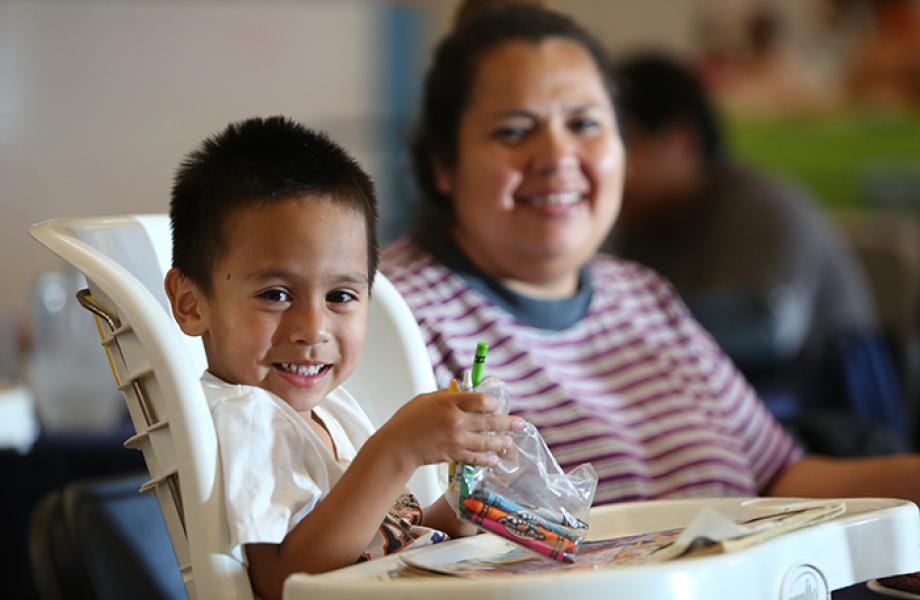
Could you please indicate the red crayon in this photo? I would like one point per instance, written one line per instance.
(518, 526)
(530, 543)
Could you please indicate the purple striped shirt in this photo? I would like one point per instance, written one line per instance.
(636, 387)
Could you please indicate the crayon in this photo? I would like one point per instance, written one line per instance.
(519, 525)
(479, 361)
(508, 506)
(455, 482)
(452, 467)
(467, 471)
(467, 385)
(529, 543)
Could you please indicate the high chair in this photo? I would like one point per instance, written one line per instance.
(124, 260)
(157, 368)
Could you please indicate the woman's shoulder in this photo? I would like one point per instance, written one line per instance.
(404, 256)
(611, 274)
(414, 271)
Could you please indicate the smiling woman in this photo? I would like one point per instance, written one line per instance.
(520, 164)
(597, 352)
(539, 166)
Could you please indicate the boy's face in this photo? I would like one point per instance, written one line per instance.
(287, 310)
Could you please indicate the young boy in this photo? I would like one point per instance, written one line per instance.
(274, 256)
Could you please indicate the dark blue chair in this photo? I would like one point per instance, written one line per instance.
(102, 540)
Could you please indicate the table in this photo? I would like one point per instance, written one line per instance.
(873, 538)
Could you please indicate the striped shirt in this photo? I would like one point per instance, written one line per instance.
(635, 387)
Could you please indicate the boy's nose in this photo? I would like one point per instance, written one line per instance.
(308, 327)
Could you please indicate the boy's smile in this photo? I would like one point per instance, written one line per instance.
(287, 310)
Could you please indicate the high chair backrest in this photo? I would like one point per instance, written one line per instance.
(157, 367)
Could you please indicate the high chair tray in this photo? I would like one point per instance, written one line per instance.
(872, 538)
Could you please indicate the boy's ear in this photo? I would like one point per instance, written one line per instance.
(189, 306)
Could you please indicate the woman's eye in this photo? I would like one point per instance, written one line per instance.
(584, 125)
(510, 134)
(276, 295)
(341, 297)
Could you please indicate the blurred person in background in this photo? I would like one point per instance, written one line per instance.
(757, 263)
(884, 70)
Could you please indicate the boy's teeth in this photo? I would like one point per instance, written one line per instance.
(302, 370)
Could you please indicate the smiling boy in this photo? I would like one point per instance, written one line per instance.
(274, 257)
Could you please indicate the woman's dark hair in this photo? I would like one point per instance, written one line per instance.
(450, 79)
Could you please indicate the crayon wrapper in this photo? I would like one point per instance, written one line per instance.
(467, 476)
(492, 499)
(537, 546)
(522, 525)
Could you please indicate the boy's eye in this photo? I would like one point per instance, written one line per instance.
(276, 295)
(341, 297)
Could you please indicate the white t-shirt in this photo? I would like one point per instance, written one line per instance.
(276, 468)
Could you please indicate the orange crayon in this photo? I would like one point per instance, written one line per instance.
(452, 467)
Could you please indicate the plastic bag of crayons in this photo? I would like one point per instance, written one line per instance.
(526, 497)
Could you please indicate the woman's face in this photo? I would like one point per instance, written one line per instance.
(539, 169)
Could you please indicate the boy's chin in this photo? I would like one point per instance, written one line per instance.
(302, 400)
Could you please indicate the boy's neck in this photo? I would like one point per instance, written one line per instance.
(312, 419)
(321, 431)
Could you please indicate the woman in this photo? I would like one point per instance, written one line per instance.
(521, 164)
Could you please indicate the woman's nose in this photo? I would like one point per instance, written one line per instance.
(556, 151)
(309, 325)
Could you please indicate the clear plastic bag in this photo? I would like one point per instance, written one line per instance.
(526, 497)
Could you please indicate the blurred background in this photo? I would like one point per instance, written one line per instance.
(99, 99)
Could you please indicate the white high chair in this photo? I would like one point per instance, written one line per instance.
(157, 367)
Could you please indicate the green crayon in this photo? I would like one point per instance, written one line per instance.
(479, 361)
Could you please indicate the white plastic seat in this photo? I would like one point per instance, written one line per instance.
(157, 367)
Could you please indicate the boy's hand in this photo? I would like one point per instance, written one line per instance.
(452, 426)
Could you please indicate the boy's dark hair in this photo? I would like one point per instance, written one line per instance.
(254, 163)
(451, 76)
(656, 91)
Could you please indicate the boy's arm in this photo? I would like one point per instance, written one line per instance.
(442, 517)
(341, 525)
(431, 428)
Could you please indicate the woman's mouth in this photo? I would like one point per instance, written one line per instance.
(555, 199)
(554, 203)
